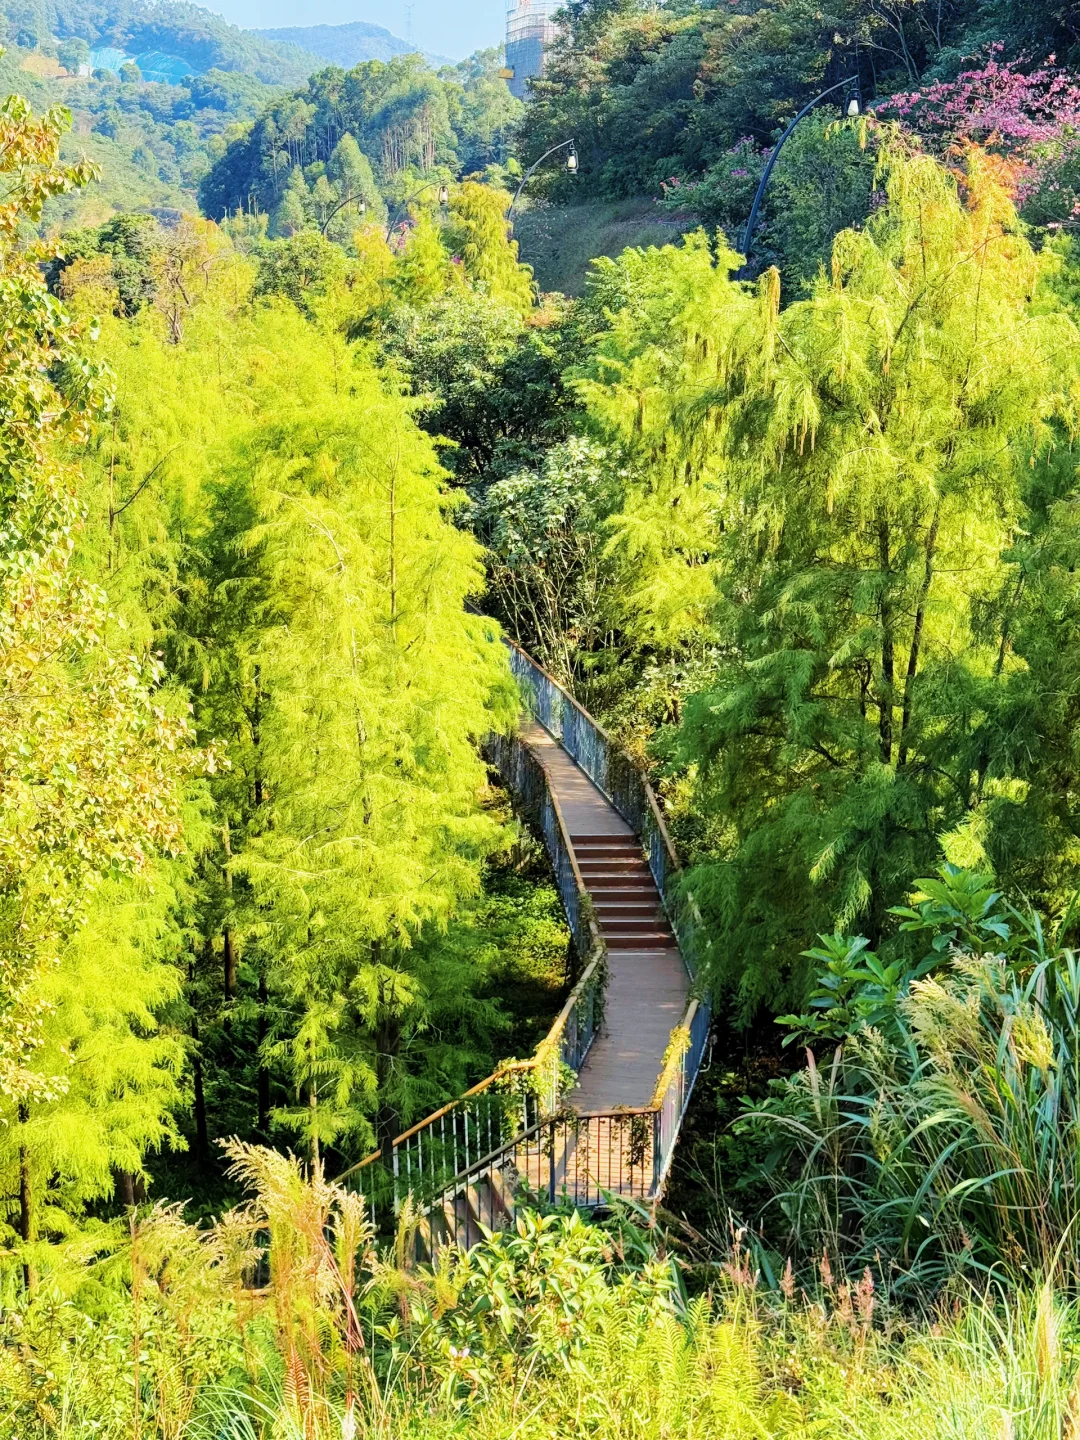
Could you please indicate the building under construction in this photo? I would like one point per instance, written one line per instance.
(529, 31)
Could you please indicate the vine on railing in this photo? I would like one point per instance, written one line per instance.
(685, 1054)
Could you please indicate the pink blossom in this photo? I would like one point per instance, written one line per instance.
(1031, 115)
(1018, 107)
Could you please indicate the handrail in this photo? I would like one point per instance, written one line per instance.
(552, 1041)
(509, 1067)
(491, 1127)
(650, 793)
(594, 750)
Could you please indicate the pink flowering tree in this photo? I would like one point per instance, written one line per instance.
(1029, 115)
(722, 196)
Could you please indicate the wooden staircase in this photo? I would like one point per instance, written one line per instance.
(631, 1038)
(624, 896)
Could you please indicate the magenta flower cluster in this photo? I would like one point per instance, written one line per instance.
(1030, 114)
(1016, 107)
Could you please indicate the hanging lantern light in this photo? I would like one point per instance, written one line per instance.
(571, 159)
(444, 195)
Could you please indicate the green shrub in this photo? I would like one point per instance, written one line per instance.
(948, 1140)
(286, 1322)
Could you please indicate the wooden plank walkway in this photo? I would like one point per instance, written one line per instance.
(648, 986)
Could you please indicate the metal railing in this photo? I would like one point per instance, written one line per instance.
(620, 780)
(427, 1158)
(523, 773)
(685, 1058)
(509, 1140)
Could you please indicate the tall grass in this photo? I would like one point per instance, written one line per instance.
(288, 1322)
(734, 1372)
(952, 1143)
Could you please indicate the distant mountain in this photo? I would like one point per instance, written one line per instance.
(346, 45)
(174, 37)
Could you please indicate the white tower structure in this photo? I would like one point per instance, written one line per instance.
(529, 31)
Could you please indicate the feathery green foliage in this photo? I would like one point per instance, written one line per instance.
(831, 494)
(92, 760)
(281, 520)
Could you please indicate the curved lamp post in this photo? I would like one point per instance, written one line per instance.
(571, 166)
(854, 107)
(444, 197)
(349, 200)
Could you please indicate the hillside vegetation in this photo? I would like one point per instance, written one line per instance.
(153, 135)
(798, 528)
(560, 242)
(344, 45)
(190, 32)
(407, 121)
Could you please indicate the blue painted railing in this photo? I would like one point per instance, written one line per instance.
(620, 779)
(510, 1140)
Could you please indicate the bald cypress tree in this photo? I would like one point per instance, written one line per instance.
(831, 493)
(310, 589)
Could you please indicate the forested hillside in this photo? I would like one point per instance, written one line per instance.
(407, 121)
(682, 102)
(187, 32)
(155, 91)
(304, 963)
(344, 45)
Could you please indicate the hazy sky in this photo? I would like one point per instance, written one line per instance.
(445, 27)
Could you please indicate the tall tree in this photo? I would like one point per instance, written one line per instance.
(350, 172)
(479, 234)
(93, 757)
(91, 760)
(292, 540)
(847, 477)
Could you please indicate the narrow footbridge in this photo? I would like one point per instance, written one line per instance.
(596, 1111)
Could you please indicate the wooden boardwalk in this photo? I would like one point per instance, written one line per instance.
(648, 986)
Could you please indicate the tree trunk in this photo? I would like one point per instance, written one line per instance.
(130, 1189)
(999, 665)
(387, 1048)
(885, 699)
(27, 1217)
(256, 736)
(263, 1082)
(226, 932)
(230, 963)
(916, 637)
(202, 1134)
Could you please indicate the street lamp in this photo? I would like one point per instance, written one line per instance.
(571, 169)
(853, 108)
(349, 200)
(444, 199)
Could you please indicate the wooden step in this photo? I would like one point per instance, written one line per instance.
(613, 862)
(640, 941)
(622, 925)
(648, 908)
(605, 886)
(623, 894)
